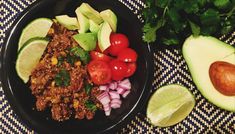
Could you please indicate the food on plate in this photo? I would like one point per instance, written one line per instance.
(110, 98)
(29, 56)
(86, 40)
(67, 67)
(169, 105)
(70, 23)
(222, 75)
(37, 28)
(200, 54)
(90, 13)
(104, 36)
(109, 16)
(118, 43)
(83, 22)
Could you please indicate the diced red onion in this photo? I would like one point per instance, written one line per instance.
(104, 98)
(114, 95)
(116, 101)
(104, 87)
(107, 107)
(113, 85)
(107, 113)
(115, 105)
(125, 84)
(120, 90)
(124, 95)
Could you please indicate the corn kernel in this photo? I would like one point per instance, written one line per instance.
(53, 83)
(78, 63)
(54, 61)
(63, 53)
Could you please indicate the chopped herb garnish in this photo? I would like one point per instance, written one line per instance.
(60, 61)
(71, 59)
(81, 53)
(90, 105)
(62, 78)
(88, 88)
(170, 22)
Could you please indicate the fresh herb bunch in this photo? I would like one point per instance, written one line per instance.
(172, 21)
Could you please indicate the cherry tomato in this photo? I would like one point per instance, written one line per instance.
(100, 72)
(118, 69)
(127, 55)
(118, 43)
(131, 68)
(99, 56)
(98, 49)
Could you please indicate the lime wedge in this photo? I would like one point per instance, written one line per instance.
(169, 105)
(29, 56)
(37, 28)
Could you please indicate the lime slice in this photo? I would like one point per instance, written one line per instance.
(169, 105)
(29, 56)
(37, 28)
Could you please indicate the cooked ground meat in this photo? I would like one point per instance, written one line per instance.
(58, 81)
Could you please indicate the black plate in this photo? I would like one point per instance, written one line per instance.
(19, 94)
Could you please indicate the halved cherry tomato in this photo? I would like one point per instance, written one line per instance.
(99, 56)
(118, 43)
(131, 68)
(100, 72)
(127, 55)
(118, 69)
(98, 49)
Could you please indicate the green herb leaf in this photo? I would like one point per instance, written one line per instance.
(195, 28)
(88, 88)
(90, 105)
(60, 61)
(191, 7)
(62, 78)
(210, 17)
(162, 3)
(81, 53)
(221, 4)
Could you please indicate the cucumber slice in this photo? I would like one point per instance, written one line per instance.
(29, 56)
(37, 28)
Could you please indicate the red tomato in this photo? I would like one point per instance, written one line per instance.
(127, 55)
(118, 69)
(100, 72)
(98, 50)
(99, 56)
(131, 68)
(118, 43)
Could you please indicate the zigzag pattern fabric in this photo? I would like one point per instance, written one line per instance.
(170, 67)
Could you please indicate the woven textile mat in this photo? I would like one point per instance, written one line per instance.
(170, 67)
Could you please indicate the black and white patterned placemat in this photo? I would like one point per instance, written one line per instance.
(170, 67)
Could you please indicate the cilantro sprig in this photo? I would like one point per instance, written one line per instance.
(171, 21)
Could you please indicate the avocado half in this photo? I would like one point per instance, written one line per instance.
(199, 53)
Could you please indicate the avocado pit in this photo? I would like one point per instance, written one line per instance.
(222, 75)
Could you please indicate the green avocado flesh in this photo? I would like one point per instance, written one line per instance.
(83, 21)
(70, 23)
(110, 17)
(90, 13)
(104, 36)
(86, 40)
(199, 53)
